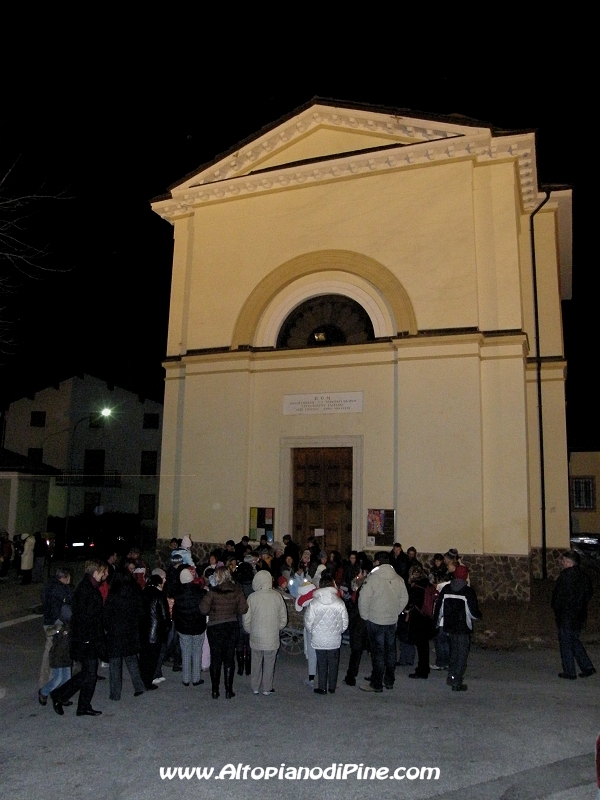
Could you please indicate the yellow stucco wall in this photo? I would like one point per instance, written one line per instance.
(418, 224)
(586, 465)
(448, 432)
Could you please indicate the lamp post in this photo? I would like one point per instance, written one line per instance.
(104, 413)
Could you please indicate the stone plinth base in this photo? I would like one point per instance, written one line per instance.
(553, 566)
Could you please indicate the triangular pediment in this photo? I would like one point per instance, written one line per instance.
(322, 131)
(330, 140)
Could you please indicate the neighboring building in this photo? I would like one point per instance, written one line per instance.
(584, 474)
(108, 463)
(24, 490)
(352, 328)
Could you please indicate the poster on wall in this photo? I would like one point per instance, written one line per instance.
(381, 526)
(262, 523)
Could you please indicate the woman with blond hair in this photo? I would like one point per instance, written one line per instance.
(222, 604)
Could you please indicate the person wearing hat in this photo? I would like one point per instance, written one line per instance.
(455, 610)
(185, 551)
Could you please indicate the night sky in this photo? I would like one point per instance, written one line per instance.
(101, 142)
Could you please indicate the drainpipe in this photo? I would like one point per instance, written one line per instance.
(538, 363)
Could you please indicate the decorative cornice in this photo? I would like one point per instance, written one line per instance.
(225, 182)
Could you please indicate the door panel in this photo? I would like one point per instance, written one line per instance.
(322, 480)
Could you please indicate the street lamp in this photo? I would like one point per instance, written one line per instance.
(104, 414)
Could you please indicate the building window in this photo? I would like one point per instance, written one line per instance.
(93, 467)
(91, 500)
(38, 419)
(583, 493)
(149, 462)
(147, 506)
(151, 421)
(35, 454)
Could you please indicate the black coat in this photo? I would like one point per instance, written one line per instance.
(155, 620)
(570, 598)
(400, 564)
(87, 629)
(186, 611)
(420, 626)
(122, 615)
(55, 594)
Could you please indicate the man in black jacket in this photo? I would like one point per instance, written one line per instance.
(86, 640)
(570, 598)
(455, 610)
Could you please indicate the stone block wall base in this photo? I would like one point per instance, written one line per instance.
(553, 565)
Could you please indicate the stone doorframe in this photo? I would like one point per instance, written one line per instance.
(286, 488)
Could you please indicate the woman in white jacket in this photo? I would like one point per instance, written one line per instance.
(326, 619)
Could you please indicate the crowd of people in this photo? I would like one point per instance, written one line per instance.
(199, 616)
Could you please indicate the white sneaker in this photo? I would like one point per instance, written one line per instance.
(433, 666)
(156, 681)
(255, 691)
(311, 684)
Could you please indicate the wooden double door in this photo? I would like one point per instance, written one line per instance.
(322, 480)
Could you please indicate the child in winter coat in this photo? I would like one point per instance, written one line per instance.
(326, 619)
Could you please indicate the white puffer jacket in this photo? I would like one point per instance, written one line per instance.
(326, 618)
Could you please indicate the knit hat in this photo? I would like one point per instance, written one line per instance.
(281, 581)
(159, 571)
(322, 554)
(461, 573)
(306, 554)
(452, 553)
(186, 542)
(185, 576)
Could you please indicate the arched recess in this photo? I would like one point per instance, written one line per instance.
(388, 286)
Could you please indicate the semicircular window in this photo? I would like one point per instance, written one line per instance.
(325, 321)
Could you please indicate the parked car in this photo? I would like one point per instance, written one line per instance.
(588, 544)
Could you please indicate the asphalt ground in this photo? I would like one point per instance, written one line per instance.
(518, 733)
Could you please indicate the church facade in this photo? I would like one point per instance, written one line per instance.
(364, 339)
